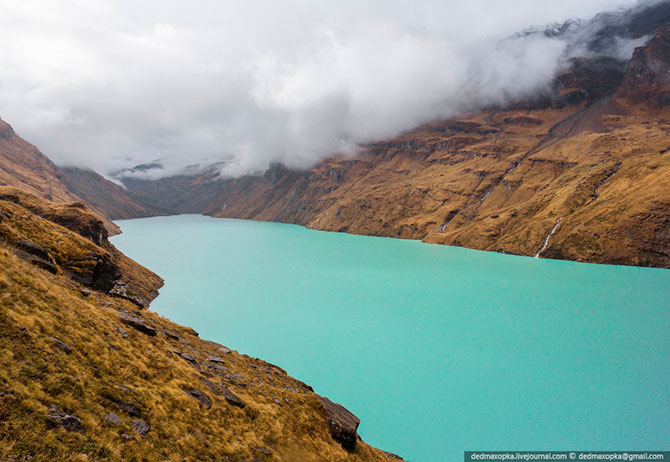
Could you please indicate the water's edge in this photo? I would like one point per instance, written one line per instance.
(291, 333)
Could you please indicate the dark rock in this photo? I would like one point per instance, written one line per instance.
(69, 422)
(213, 387)
(200, 396)
(343, 424)
(225, 350)
(105, 274)
(37, 255)
(128, 408)
(185, 356)
(45, 265)
(192, 331)
(122, 331)
(33, 249)
(391, 456)
(215, 359)
(64, 347)
(221, 390)
(647, 78)
(263, 451)
(138, 324)
(113, 419)
(85, 292)
(141, 428)
(304, 385)
(219, 370)
(171, 335)
(231, 397)
(126, 388)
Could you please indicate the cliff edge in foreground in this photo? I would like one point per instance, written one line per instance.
(89, 375)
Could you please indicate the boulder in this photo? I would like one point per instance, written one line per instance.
(200, 396)
(138, 324)
(343, 424)
(69, 422)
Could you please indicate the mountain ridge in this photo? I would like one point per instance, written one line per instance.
(591, 156)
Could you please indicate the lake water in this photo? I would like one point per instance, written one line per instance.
(437, 349)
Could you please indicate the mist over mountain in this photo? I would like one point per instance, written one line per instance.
(249, 85)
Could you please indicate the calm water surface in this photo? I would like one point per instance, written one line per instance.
(437, 349)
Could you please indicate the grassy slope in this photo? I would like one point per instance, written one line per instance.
(604, 169)
(282, 419)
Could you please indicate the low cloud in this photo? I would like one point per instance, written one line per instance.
(110, 85)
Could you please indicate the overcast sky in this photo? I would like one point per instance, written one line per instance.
(110, 84)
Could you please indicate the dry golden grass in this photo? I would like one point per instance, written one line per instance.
(281, 415)
(498, 181)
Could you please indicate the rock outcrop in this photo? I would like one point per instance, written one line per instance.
(343, 424)
(67, 238)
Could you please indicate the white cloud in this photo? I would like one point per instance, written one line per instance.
(110, 84)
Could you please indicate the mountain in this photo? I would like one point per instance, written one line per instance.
(88, 374)
(102, 194)
(581, 172)
(23, 166)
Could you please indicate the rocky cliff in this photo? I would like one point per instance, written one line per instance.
(89, 375)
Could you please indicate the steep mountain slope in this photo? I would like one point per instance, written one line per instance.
(23, 166)
(88, 376)
(581, 173)
(101, 194)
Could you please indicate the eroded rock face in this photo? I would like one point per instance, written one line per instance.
(343, 424)
(647, 77)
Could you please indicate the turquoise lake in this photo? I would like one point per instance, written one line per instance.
(437, 349)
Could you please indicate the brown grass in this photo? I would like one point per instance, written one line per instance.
(281, 414)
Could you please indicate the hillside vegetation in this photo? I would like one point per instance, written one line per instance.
(90, 375)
